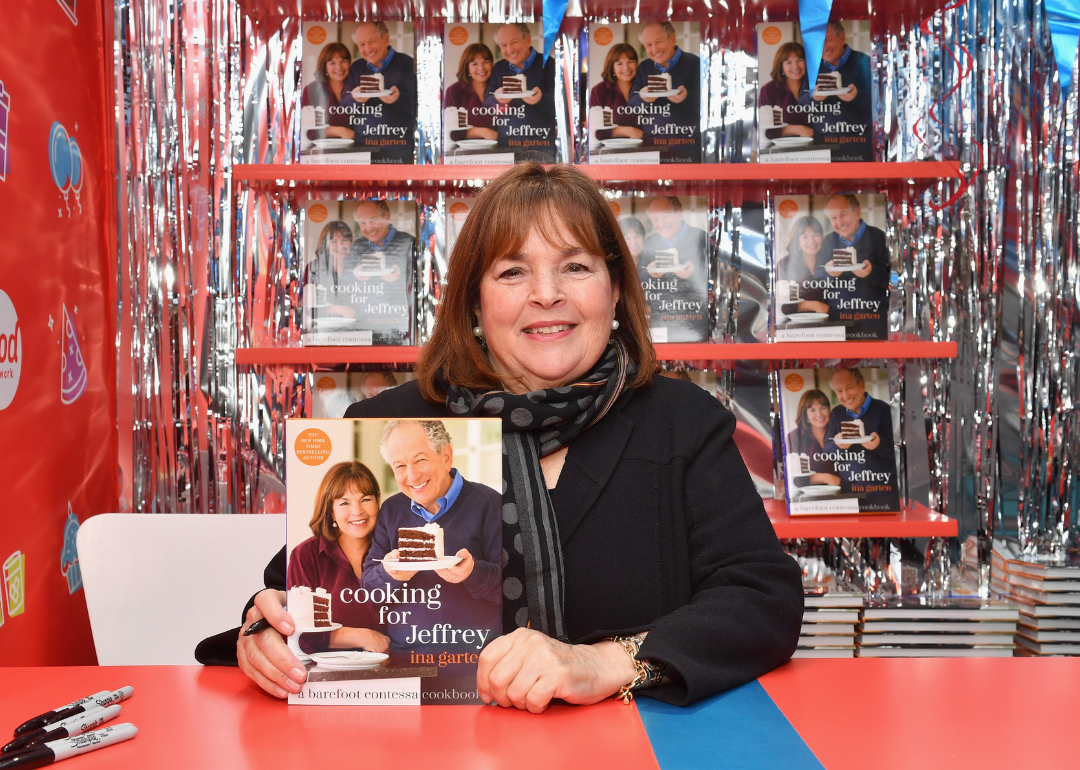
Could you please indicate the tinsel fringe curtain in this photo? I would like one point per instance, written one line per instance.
(991, 264)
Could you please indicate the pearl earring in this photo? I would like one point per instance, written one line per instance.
(477, 331)
(614, 325)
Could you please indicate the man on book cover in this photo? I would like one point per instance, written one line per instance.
(469, 594)
(526, 124)
(673, 273)
(672, 123)
(868, 467)
(386, 122)
(846, 124)
(380, 264)
(859, 297)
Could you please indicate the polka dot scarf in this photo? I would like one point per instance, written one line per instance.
(535, 425)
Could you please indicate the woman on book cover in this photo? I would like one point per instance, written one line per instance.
(346, 512)
(327, 91)
(788, 87)
(800, 264)
(808, 437)
(626, 510)
(613, 91)
(326, 273)
(473, 74)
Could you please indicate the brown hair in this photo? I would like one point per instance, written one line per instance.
(850, 199)
(782, 54)
(341, 478)
(328, 53)
(616, 52)
(520, 198)
(467, 56)
(808, 398)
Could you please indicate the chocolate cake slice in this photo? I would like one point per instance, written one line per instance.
(420, 543)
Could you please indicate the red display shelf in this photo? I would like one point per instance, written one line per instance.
(733, 174)
(917, 521)
(735, 351)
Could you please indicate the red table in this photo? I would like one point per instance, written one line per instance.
(906, 713)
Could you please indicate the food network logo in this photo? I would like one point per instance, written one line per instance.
(10, 350)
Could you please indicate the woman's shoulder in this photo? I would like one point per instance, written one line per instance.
(769, 92)
(403, 401)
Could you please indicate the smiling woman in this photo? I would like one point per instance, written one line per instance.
(636, 553)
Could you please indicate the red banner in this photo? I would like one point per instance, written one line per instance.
(57, 314)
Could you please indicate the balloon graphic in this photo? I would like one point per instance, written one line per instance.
(76, 171)
(60, 159)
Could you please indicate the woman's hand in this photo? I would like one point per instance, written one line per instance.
(365, 638)
(526, 669)
(265, 657)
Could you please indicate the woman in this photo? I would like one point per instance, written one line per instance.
(634, 235)
(808, 437)
(327, 271)
(613, 90)
(789, 87)
(346, 509)
(327, 90)
(800, 265)
(473, 74)
(630, 511)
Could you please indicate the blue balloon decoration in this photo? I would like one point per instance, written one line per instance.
(1063, 18)
(76, 165)
(554, 11)
(813, 19)
(59, 155)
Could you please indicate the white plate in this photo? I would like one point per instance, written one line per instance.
(792, 141)
(833, 91)
(372, 95)
(664, 270)
(374, 273)
(498, 92)
(334, 141)
(349, 660)
(421, 566)
(859, 440)
(334, 322)
(843, 268)
(621, 141)
(814, 490)
(659, 94)
(477, 144)
(807, 318)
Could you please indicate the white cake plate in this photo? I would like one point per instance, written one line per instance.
(374, 273)
(621, 142)
(859, 440)
(477, 144)
(421, 566)
(372, 95)
(294, 639)
(787, 142)
(807, 318)
(844, 268)
(498, 93)
(819, 490)
(833, 91)
(659, 94)
(349, 660)
(651, 268)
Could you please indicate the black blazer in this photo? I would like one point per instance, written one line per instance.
(662, 530)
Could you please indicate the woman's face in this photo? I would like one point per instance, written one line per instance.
(340, 245)
(625, 69)
(817, 414)
(480, 69)
(635, 241)
(794, 67)
(810, 242)
(355, 514)
(546, 312)
(337, 69)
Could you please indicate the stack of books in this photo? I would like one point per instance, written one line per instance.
(829, 624)
(1048, 593)
(926, 627)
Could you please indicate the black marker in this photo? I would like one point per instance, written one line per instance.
(54, 751)
(56, 714)
(76, 725)
(259, 625)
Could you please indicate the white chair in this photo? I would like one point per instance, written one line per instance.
(157, 584)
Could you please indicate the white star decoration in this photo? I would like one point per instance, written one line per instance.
(51, 322)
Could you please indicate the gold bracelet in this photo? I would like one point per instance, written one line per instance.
(632, 645)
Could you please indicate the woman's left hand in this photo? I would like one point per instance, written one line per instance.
(526, 669)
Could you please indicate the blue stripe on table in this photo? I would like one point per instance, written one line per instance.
(741, 728)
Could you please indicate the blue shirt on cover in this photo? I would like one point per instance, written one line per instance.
(858, 235)
(444, 502)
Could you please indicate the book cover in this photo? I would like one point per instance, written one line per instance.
(838, 428)
(359, 258)
(667, 237)
(644, 82)
(394, 547)
(334, 392)
(833, 268)
(831, 121)
(498, 94)
(358, 92)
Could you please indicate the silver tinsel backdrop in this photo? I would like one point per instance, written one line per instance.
(207, 265)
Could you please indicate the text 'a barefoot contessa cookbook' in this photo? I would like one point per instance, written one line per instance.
(395, 557)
